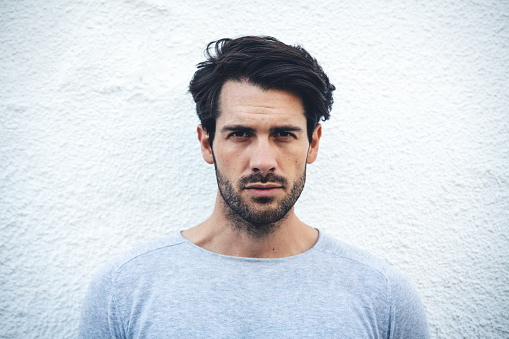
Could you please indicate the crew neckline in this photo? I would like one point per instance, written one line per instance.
(316, 246)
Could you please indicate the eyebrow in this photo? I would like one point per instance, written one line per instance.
(284, 128)
(233, 128)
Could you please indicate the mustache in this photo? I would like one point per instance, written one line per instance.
(258, 178)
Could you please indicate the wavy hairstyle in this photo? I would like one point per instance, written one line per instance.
(265, 62)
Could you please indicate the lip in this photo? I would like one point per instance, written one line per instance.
(263, 186)
(263, 190)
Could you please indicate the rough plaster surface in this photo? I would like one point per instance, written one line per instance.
(98, 151)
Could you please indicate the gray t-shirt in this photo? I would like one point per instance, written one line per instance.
(174, 289)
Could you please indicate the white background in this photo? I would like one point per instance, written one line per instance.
(98, 150)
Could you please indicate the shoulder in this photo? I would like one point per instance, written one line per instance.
(334, 248)
(99, 318)
(144, 253)
(407, 318)
(364, 262)
(140, 256)
(135, 263)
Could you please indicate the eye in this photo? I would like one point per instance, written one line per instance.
(284, 134)
(238, 134)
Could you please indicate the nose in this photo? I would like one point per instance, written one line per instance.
(263, 157)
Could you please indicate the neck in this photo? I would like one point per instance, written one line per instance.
(229, 234)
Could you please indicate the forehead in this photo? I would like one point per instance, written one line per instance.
(241, 100)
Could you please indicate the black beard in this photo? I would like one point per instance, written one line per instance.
(245, 217)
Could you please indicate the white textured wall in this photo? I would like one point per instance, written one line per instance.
(98, 151)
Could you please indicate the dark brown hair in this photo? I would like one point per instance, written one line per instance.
(265, 62)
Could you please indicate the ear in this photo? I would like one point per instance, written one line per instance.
(206, 149)
(313, 146)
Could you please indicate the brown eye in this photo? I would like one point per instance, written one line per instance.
(239, 134)
(284, 134)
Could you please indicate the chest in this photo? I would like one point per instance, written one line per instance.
(262, 303)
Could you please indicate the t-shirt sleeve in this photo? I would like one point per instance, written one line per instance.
(96, 313)
(407, 317)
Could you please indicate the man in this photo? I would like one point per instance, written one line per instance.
(253, 269)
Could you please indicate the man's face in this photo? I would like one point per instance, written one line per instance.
(260, 151)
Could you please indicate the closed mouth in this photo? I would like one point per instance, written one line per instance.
(263, 186)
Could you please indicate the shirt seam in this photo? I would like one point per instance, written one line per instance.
(114, 293)
(388, 297)
(356, 261)
(145, 253)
